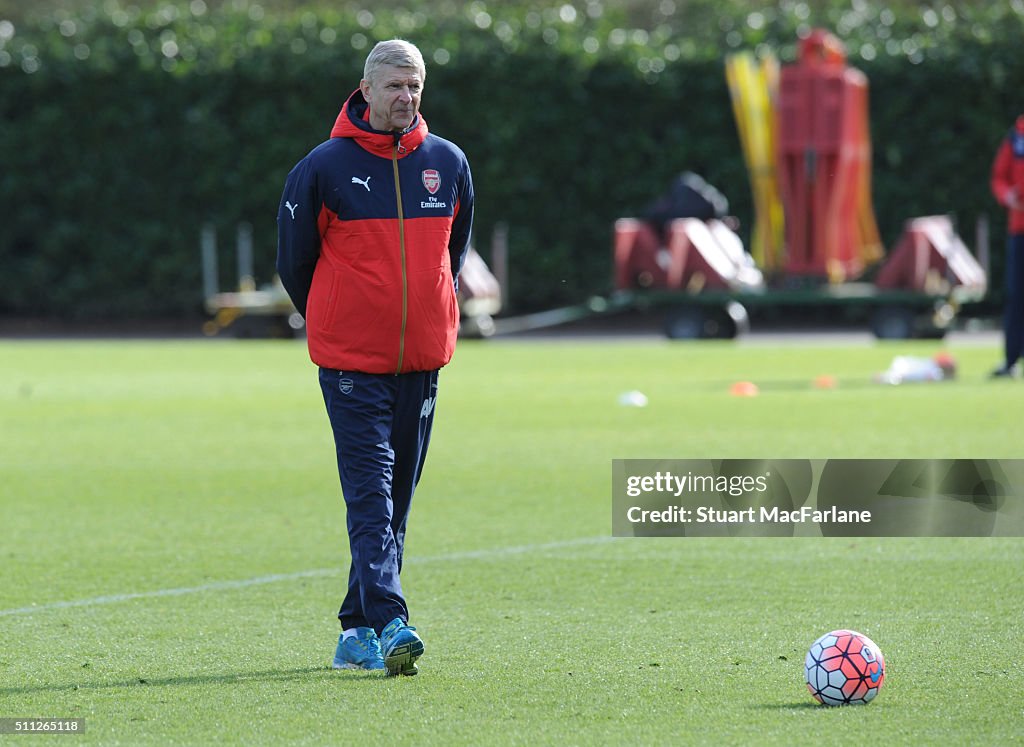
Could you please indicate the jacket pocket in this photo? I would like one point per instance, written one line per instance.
(331, 302)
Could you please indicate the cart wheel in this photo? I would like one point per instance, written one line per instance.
(693, 322)
(477, 327)
(685, 323)
(738, 322)
(893, 323)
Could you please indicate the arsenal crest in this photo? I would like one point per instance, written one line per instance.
(431, 180)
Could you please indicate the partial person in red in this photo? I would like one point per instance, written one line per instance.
(1008, 188)
(373, 228)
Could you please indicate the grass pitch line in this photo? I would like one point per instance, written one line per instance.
(279, 577)
(501, 552)
(213, 586)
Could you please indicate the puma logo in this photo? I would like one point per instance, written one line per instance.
(365, 183)
(291, 208)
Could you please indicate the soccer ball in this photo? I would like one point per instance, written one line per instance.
(844, 667)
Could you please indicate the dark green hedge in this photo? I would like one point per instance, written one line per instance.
(124, 131)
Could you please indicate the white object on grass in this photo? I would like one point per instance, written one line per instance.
(633, 398)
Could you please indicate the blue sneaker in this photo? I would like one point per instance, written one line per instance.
(1006, 372)
(361, 651)
(401, 647)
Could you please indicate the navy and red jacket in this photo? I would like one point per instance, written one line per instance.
(373, 228)
(1008, 173)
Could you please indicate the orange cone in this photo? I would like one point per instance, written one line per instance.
(825, 382)
(744, 389)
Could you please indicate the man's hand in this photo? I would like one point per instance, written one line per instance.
(1013, 200)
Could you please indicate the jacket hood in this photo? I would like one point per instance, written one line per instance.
(354, 122)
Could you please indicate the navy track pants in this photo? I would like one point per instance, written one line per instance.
(381, 427)
(1013, 312)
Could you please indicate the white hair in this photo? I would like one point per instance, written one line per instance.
(395, 52)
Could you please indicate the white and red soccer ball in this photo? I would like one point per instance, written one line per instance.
(844, 667)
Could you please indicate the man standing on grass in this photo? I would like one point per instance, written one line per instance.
(1008, 188)
(373, 228)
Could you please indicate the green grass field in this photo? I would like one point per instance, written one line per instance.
(172, 548)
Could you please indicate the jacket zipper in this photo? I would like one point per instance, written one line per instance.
(401, 248)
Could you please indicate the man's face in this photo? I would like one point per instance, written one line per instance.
(394, 97)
